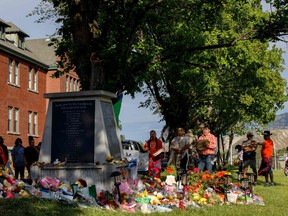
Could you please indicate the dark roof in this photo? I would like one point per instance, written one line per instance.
(45, 52)
(25, 54)
(14, 29)
(3, 23)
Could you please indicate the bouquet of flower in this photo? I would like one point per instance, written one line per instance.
(171, 170)
(206, 188)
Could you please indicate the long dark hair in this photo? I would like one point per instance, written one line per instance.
(18, 142)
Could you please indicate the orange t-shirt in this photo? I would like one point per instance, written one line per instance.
(267, 148)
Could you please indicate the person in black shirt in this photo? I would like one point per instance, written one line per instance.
(31, 154)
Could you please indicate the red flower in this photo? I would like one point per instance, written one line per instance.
(196, 170)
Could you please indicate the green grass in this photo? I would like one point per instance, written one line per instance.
(275, 199)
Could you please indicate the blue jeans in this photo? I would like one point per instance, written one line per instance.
(205, 161)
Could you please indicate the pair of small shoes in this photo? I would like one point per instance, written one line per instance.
(267, 184)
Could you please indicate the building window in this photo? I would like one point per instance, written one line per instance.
(2, 32)
(32, 79)
(13, 120)
(75, 85)
(10, 71)
(21, 41)
(29, 122)
(10, 109)
(13, 72)
(16, 74)
(71, 85)
(67, 84)
(16, 120)
(35, 123)
(32, 123)
(35, 80)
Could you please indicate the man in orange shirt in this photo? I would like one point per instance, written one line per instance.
(153, 146)
(267, 158)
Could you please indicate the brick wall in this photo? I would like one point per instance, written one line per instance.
(22, 98)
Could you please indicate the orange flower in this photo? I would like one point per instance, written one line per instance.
(206, 176)
(169, 170)
(221, 174)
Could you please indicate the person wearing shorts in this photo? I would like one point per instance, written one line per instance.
(267, 159)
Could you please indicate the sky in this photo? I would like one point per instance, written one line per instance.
(136, 122)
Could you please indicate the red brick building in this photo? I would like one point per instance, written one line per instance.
(26, 68)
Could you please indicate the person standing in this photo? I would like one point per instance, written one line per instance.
(31, 154)
(154, 146)
(239, 150)
(192, 151)
(3, 153)
(267, 158)
(18, 158)
(249, 155)
(178, 149)
(208, 151)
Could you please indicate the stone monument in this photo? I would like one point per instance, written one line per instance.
(80, 130)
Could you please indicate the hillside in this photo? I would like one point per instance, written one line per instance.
(279, 137)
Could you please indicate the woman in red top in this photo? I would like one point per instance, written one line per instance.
(153, 145)
(267, 158)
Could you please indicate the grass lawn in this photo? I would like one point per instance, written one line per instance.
(275, 199)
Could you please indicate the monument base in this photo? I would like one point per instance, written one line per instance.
(98, 175)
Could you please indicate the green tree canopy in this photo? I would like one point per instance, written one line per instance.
(197, 61)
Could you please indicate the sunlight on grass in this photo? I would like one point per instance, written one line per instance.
(274, 198)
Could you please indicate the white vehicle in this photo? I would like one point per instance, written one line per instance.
(134, 150)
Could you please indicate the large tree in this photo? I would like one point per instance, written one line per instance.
(197, 61)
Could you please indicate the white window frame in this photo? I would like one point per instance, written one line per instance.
(29, 122)
(67, 83)
(35, 123)
(16, 73)
(10, 71)
(10, 118)
(71, 85)
(35, 80)
(16, 120)
(30, 78)
(13, 120)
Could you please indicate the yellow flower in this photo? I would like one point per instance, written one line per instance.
(196, 196)
(202, 201)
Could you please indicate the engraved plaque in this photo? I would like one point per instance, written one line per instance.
(73, 131)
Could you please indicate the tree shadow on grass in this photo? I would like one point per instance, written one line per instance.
(38, 207)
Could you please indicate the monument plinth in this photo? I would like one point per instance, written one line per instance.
(80, 130)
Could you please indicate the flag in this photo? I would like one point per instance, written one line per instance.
(117, 106)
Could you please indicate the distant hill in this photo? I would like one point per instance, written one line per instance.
(281, 122)
(279, 137)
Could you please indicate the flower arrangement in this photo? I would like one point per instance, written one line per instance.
(205, 188)
(171, 170)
